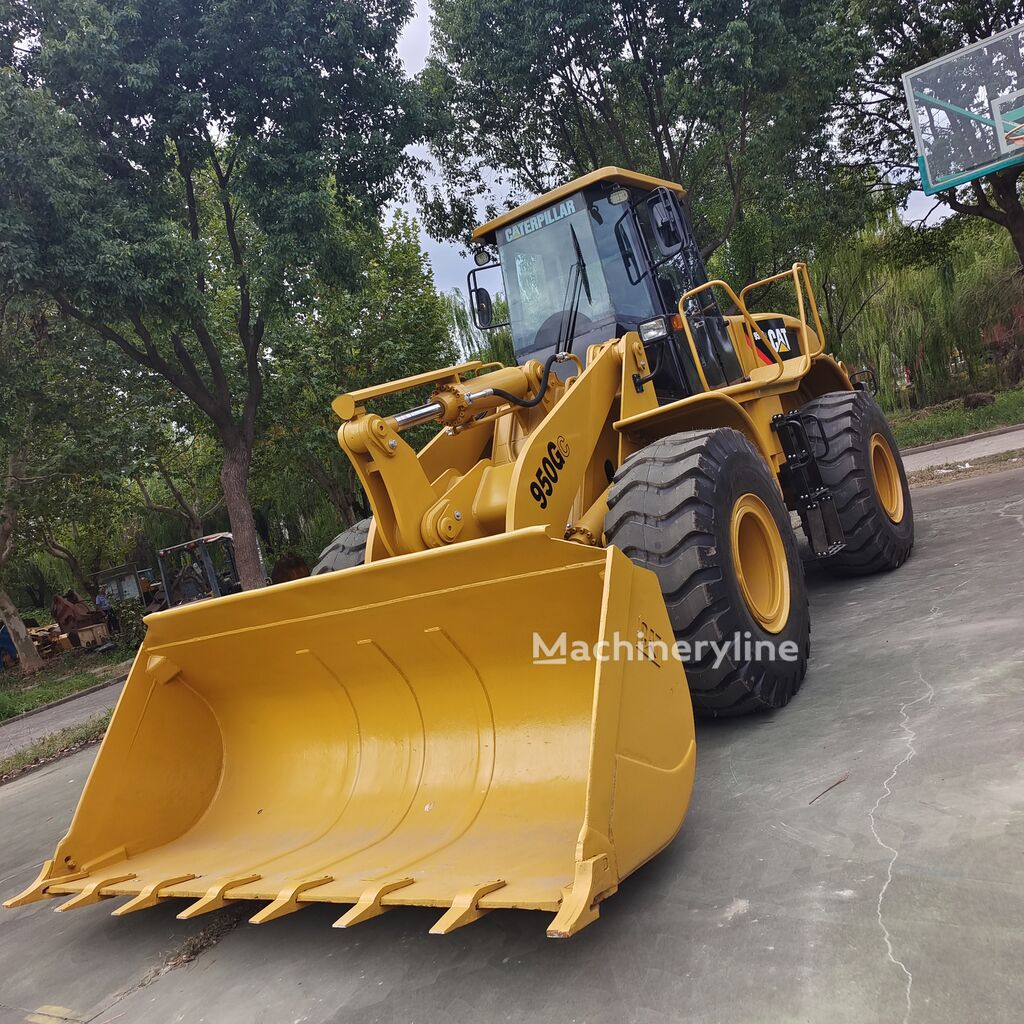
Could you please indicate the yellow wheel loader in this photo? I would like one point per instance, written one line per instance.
(491, 705)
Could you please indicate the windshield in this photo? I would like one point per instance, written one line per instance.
(539, 257)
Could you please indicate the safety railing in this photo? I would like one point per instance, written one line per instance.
(756, 329)
(801, 284)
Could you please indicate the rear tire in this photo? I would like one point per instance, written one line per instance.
(346, 550)
(864, 470)
(703, 510)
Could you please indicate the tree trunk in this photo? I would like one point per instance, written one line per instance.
(234, 479)
(1001, 205)
(36, 591)
(89, 586)
(27, 653)
(1016, 229)
(85, 582)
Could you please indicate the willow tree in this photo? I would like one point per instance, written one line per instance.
(923, 302)
(170, 172)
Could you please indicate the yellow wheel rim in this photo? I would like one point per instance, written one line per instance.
(760, 560)
(888, 485)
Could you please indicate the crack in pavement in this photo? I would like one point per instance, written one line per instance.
(1019, 516)
(221, 923)
(909, 736)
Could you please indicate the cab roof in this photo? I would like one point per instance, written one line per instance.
(614, 175)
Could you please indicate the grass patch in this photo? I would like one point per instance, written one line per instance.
(965, 470)
(65, 675)
(55, 746)
(942, 422)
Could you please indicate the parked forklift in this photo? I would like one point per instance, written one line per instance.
(198, 570)
(490, 706)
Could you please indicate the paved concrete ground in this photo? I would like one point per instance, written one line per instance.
(15, 736)
(964, 451)
(896, 896)
(25, 731)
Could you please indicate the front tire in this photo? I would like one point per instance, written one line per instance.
(346, 550)
(864, 470)
(703, 510)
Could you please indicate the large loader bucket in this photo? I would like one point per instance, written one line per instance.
(384, 736)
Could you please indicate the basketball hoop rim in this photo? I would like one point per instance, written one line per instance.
(1015, 136)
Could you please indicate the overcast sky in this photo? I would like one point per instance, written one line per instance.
(415, 41)
(450, 265)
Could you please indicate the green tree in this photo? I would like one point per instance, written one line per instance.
(11, 484)
(33, 448)
(64, 446)
(878, 132)
(494, 345)
(924, 301)
(87, 522)
(733, 98)
(394, 325)
(845, 284)
(177, 481)
(170, 172)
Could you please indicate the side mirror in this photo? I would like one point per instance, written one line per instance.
(484, 307)
(481, 305)
(667, 222)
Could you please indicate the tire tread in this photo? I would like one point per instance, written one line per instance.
(662, 514)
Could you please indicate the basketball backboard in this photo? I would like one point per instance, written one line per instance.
(967, 109)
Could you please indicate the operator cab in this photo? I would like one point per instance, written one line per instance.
(609, 253)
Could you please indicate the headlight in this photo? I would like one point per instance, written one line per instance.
(653, 330)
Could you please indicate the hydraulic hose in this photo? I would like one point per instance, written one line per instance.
(529, 403)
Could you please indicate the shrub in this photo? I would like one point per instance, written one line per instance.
(133, 630)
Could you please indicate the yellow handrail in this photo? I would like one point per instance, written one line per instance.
(797, 272)
(737, 301)
(819, 329)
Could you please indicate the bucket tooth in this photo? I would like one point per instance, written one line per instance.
(593, 881)
(416, 755)
(215, 897)
(92, 892)
(287, 901)
(38, 889)
(464, 909)
(149, 895)
(369, 905)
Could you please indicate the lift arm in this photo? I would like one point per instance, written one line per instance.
(535, 487)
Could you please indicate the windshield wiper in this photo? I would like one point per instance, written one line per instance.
(578, 282)
(581, 263)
